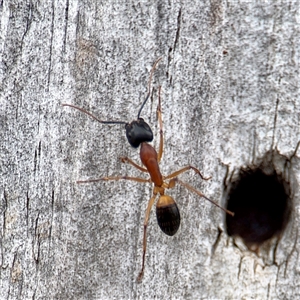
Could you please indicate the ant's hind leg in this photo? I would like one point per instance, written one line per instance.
(147, 215)
(136, 179)
(192, 189)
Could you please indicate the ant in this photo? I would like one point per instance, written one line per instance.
(139, 133)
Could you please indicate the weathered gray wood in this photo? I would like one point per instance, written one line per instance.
(230, 81)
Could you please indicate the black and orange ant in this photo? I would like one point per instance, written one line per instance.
(139, 133)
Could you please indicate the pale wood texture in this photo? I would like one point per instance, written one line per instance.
(230, 93)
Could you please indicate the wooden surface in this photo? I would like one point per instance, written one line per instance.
(230, 93)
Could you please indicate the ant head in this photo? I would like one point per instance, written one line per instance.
(137, 132)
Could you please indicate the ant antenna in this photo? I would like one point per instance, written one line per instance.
(120, 122)
(149, 86)
(95, 118)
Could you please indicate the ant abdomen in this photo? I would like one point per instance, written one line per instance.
(167, 214)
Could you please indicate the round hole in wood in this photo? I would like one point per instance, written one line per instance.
(261, 201)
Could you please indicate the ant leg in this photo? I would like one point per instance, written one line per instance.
(149, 86)
(137, 179)
(125, 159)
(189, 187)
(175, 174)
(159, 116)
(151, 74)
(148, 210)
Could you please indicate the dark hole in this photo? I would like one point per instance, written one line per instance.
(261, 204)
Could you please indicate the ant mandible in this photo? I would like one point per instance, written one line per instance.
(139, 133)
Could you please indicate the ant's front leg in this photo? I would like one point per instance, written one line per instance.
(161, 137)
(125, 159)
